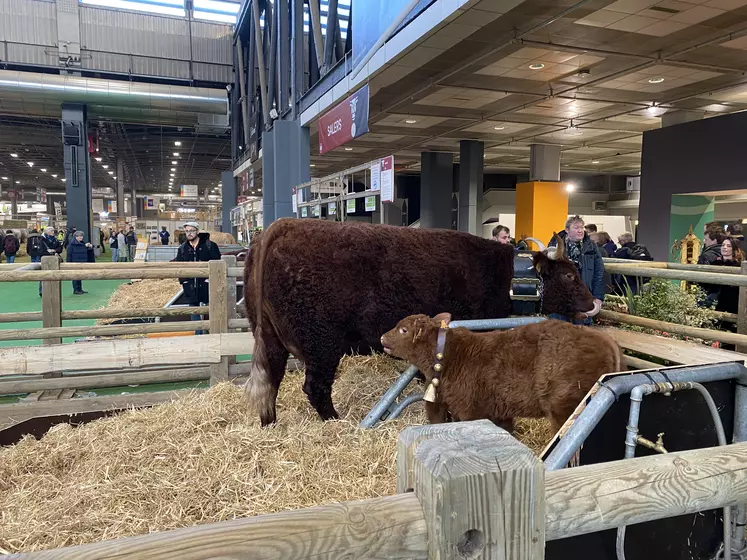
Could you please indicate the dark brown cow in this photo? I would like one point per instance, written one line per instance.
(321, 289)
(543, 369)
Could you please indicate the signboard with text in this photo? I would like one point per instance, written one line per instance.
(189, 191)
(386, 180)
(344, 122)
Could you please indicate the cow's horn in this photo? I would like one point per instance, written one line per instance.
(539, 243)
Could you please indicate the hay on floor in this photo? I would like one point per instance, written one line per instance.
(142, 294)
(203, 459)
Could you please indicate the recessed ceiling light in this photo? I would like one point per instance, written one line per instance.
(13, 155)
(312, 165)
(656, 80)
(105, 166)
(176, 154)
(651, 109)
(410, 121)
(348, 149)
(177, 143)
(97, 159)
(44, 170)
(499, 127)
(595, 161)
(30, 163)
(536, 66)
(111, 172)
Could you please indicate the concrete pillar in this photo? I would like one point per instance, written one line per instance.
(671, 118)
(285, 164)
(120, 189)
(544, 162)
(436, 185)
(77, 166)
(228, 199)
(471, 159)
(133, 202)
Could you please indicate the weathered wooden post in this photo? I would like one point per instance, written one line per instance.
(482, 491)
(51, 303)
(230, 297)
(742, 312)
(218, 278)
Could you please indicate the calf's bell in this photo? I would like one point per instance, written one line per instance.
(438, 368)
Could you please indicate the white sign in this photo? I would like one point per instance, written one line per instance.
(351, 206)
(387, 179)
(376, 176)
(295, 201)
(331, 208)
(98, 205)
(304, 211)
(370, 204)
(189, 191)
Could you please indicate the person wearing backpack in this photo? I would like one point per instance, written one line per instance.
(629, 249)
(11, 246)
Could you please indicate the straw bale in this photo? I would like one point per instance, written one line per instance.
(142, 294)
(203, 459)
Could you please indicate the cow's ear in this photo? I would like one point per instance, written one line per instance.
(445, 317)
(540, 262)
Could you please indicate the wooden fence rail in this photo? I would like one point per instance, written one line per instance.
(476, 492)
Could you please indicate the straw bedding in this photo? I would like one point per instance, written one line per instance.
(204, 459)
(142, 294)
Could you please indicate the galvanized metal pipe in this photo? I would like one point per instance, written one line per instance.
(624, 384)
(740, 434)
(496, 324)
(373, 417)
(403, 404)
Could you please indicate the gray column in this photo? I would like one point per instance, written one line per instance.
(436, 185)
(133, 202)
(228, 199)
(285, 164)
(77, 166)
(120, 189)
(671, 118)
(544, 162)
(471, 159)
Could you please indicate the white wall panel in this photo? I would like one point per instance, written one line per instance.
(133, 33)
(28, 21)
(160, 67)
(213, 72)
(32, 54)
(212, 42)
(110, 62)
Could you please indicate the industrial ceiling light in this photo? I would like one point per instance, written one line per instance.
(55, 176)
(13, 155)
(30, 163)
(173, 169)
(111, 172)
(570, 187)
(63, 179)
(105, 166)
(536, 66)
(19, 182)
(177, 143)
(348, 149)
(172, 174)
(43, 170)
(98, 159)
(114, 177)
(595, 161)
(499, 127)
(410, 121)
(312, 165)
(174, 162)
(4, 178)
(176, 154)
(656, 80)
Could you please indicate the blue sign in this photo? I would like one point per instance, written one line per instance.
(372, 17)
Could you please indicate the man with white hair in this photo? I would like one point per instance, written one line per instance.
(197, 248)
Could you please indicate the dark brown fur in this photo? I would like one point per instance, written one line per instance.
(321, 289)
(544, 369)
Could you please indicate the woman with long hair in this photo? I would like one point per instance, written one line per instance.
(728, 297)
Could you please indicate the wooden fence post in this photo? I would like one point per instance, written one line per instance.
(482, 491)
(742, 311)
(51, 303)
(231, 297)
(218, 280)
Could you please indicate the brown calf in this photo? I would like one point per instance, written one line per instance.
(544, 369)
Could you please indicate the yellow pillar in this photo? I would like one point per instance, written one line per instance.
(541, 209)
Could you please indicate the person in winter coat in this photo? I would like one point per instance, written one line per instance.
(80, 252)
(584, 253)
(114, 245)
(629, 249)
(11, 246)
(122, 244)
(131, 243)
(197, 247)
(35, 246)
(51, 246)
(728, 297)
(712, 239)
(164, 235)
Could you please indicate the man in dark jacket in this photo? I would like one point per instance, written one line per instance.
(197, 247)
(629, 249)
(79, 252)
(712, 239)
(11, 246)
(584, 253)
(131, 239)
(50, 245)
(164, 235)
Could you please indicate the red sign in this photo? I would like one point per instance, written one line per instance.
(344, 122)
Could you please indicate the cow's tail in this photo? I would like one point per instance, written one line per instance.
(260, 389)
